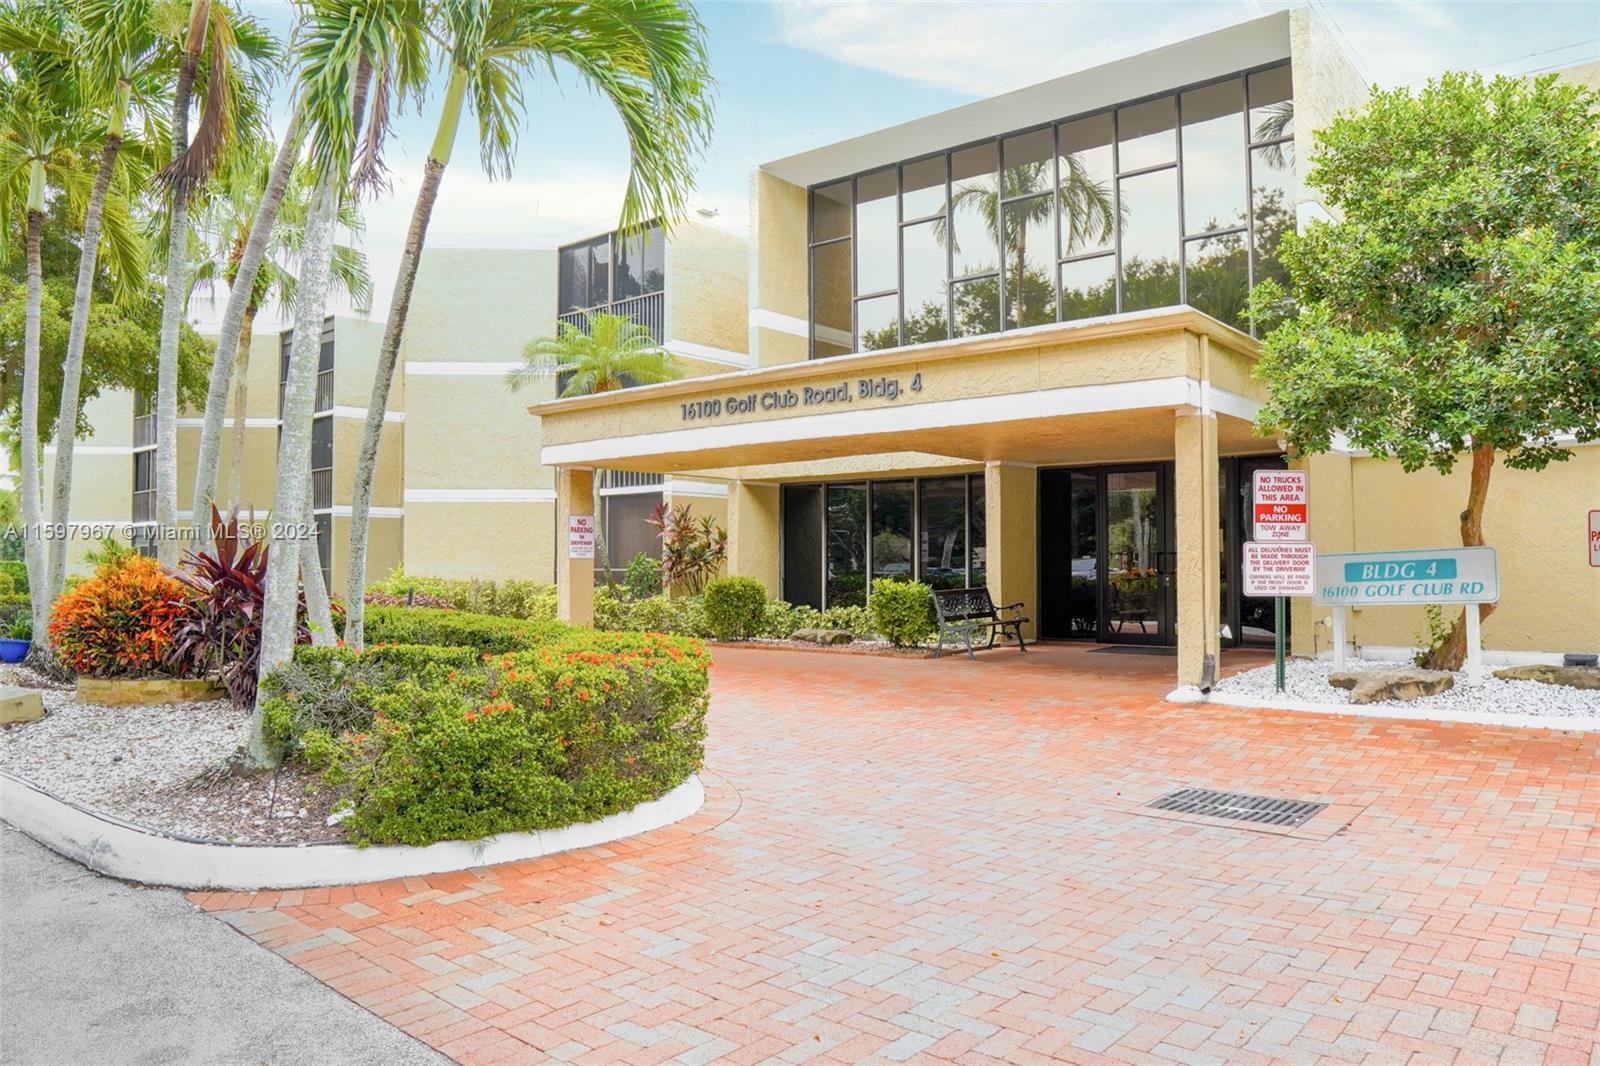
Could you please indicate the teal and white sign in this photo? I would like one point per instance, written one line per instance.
(1432, 575)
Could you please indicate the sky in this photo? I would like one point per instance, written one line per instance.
(799, 74)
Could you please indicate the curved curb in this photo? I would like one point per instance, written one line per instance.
(1581, 723)
(109, 845)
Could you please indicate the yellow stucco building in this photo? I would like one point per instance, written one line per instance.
(1004, 345)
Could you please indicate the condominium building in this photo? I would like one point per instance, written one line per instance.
(458, 490)
(1004, 345)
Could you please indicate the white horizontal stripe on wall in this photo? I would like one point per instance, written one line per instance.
(340, 411)
(799, 327)
(686, 487)
(229, 423)
(472, 370)
(480, 495)
(1168, 392)
(95, 449)
(706, 353)
(631, 490)
(342, 510)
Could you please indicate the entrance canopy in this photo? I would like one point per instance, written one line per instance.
(1094, 390)
(1169, 386)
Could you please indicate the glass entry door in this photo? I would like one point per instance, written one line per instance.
(1107, 554)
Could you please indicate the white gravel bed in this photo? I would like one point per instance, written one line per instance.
(1307, 679)
(137, 762)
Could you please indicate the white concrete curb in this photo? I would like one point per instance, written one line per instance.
(121, 849)
(1564, 723)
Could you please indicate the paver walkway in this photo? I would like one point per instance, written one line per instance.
(947, 860)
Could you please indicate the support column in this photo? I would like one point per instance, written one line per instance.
(1011, 537)
(574, 577)
(1199, 574)
(753, 548)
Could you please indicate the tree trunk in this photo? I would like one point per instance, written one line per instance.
(241, 396)
(1452, 651)
(319, 612)
(388, 353)
(234, 331)
(72, 370)
(173, 302)
(289, 511)
(32, 506)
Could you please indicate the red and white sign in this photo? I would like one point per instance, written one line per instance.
(1594, 538)
(580, 536)
(1278, 569)
(1279, 505)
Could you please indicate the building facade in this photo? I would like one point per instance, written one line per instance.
(1004, 345)
(458, 491)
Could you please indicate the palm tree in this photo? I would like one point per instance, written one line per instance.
(47, 137)
(344, 46)
(612, 352)
(251, 202)
(228, 114)
(1276, 121)
(646, 57)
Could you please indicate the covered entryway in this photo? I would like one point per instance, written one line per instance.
(1074, 467)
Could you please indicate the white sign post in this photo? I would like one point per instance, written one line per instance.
(1468, 576)
(1279, 505)
(580, 536)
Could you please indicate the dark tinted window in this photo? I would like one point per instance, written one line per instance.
(892, 503)
(847, 545)
(802, 544)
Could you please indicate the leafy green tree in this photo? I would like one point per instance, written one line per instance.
(1451, 310)
(613, 352)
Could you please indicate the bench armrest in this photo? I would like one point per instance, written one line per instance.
(1009, 606)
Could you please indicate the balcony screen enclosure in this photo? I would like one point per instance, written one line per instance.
(618, 274)
(1179, 198)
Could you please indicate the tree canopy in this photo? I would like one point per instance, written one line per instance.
(1453, 306)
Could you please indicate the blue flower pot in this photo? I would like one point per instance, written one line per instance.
(14, 651)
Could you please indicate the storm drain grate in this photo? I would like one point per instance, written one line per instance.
(1238, 806)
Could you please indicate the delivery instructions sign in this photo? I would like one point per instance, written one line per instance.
(1278, 499)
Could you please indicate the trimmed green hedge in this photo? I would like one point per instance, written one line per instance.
(902, 611)
(735, 607)
(510, 598)
(17, 570)
(457, 629)
(429, 744)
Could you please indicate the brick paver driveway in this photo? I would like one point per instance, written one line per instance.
(928, 860)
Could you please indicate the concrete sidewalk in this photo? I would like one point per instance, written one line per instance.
(96, 971)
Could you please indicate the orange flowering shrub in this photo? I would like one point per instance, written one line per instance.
(120, 622)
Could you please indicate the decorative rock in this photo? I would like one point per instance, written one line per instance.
(19, 705)
(1576, 676)
(823, 636)
(1374, 686)
(118, 692)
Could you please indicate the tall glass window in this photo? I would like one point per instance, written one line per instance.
(1183, 198)
(892, 506)
(944, 532)
(607, 269)
(847, 545)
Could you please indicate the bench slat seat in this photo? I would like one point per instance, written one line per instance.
(964, 613)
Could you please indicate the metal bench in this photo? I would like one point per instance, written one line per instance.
(964, 612)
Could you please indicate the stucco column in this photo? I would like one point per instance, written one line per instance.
(1011, 536)
(753, 533)
(574, 577)
(1199, 574)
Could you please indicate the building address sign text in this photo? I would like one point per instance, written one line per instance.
(847, 391)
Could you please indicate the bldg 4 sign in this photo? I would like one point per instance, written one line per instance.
(1432, 575)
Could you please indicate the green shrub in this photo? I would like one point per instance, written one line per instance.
(857, 621)
(681, 615)
(534, 600)
(587, 725)
(456, 629)
(8, 587)
(20, 627)
(779, 620)
(735, 607)
(17, 571)
(642, 578)
(902, 611)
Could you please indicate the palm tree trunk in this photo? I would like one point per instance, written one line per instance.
(233, 334)
(318, 609)
(241, 394)
(289, 511)
(32, 509)
(174, 301)
(388, 353)
(1452, 651)
(72, 365)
